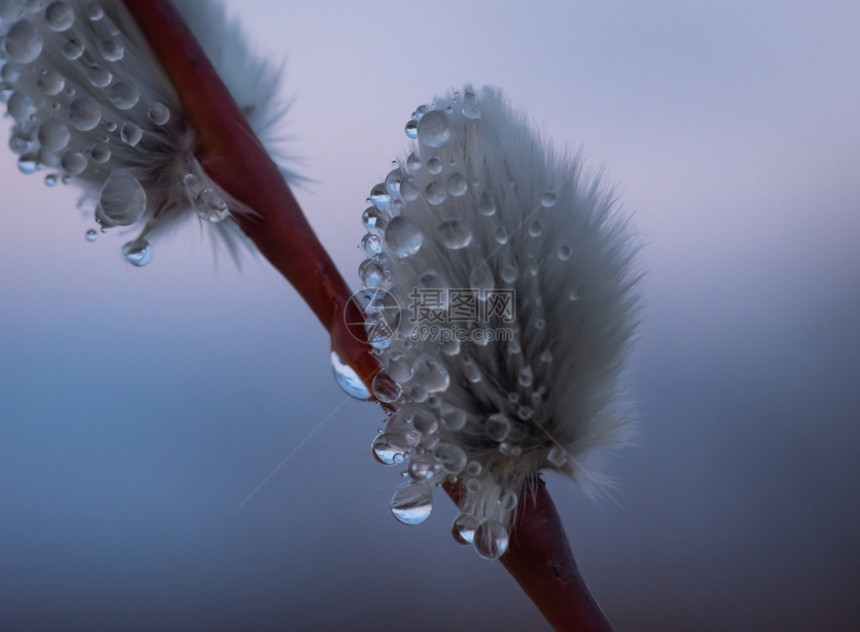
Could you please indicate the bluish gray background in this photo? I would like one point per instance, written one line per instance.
(139, 407)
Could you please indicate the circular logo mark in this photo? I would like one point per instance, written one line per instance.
(373, 315)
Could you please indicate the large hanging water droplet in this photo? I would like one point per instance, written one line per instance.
(491, 539)
(433, 129)
(451, 456)
(497, 427)
(124, 95)
(412, 504)
(138, 252)
(85, 114)
(122, 200)
(24, 42)
(54, 135)
(59, 16)
(348, 379)
(403, 236)
(463, 529)
(455, 234)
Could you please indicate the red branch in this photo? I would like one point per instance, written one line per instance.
(538, 556)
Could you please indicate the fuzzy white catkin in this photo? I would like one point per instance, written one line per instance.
(500, 296)
(92, 106)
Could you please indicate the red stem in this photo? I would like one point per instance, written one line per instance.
(538, 556)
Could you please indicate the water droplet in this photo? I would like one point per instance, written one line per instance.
(399, 368)
(372, 218)
(403, 236)
(451, 456)
(501, 234)
(470, 105)
(85, 114)
(211, 207)
(401, 434)
(159, 113)
(474, 469)
(23, 42)
(99, 76)
(51, 180)
(348, 379)
(434, 165)
(557, 456)
(138, 252)
(574, 294)
(124, 95)
(430, 374)
(384, 452)
(59, 16)
(393, 181)
(412, 129)
(435, 193)
(424, 421)
(51, 82)
(73, 49)
(524, 413)
(379, 196)
(413, 163)
(18, 144)
(10, 73)
(526, 376)
(498, 427)
(535, 228)
(20, 106)
(122, 200)
(473, 486)
(463, 529)
(386, 389)
(111, 50)
(565, 252)
(546, 356)
(481, 279)
(91, 235)
(94, 12)
(508, 273)
(486, 206)
(371, 244)
(28, 163)
(454, 418)
(433, 129)
(548, 200)
(471, 371)
(54, 135)
(450, 347)
(507, 500)
(412, 504)
(455, 234)
(130, 133)
(100, 153)
(457, 184)
(375, 275)
(424, 467)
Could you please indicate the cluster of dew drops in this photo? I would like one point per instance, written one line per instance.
(83, 124)
(411, 435)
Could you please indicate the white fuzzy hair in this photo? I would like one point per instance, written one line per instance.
(555, 240)
(164, 154)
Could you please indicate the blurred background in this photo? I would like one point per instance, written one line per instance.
(139, 407)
